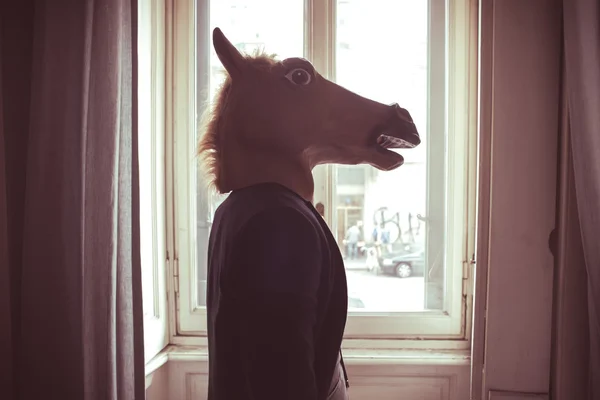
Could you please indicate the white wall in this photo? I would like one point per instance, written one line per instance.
(384, 380)
(159, 386)
(519, 125)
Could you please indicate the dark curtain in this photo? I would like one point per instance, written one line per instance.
(70, 279)
(582, 73)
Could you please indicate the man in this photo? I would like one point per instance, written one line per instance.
(277, 296)
(320, 207)
(353, 236)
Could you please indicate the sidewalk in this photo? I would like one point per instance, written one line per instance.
(356, 264)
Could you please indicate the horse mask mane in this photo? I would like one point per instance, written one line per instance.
(282, 117)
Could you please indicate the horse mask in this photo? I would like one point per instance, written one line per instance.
(287, 110)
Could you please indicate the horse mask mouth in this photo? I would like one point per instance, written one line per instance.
(398, 132)
(393, 129)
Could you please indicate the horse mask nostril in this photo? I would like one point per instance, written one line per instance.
(402, 113)
(402, 130)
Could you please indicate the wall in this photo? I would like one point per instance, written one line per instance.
(381, 380)
(159, 385)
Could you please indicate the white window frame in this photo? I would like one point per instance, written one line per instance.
(445, 329)
(151, 105)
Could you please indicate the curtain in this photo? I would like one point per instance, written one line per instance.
(581, 20)
(69, 206)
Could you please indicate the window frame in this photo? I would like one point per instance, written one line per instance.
(151, 72)
(444, 329)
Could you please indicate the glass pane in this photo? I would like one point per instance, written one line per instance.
(249, 25)
(380, 222)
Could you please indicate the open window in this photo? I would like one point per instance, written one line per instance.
(407, 235)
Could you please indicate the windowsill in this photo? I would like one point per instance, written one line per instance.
(405, 356)
(351, 356)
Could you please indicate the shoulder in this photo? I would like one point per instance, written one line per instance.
(279, 249)
(284, 225)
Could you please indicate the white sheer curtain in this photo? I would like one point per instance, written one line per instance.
(69, 219)
(582, 62)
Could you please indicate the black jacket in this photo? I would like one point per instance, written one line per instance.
(277, 298)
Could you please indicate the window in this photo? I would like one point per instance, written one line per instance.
(406, 235)
(151, 107)
(249, 26)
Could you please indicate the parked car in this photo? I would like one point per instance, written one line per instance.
(401, 264)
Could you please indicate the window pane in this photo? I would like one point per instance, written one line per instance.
(379, 218)
(249, 25)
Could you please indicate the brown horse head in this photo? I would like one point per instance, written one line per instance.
(276, 120)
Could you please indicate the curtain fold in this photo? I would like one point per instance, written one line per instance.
(6, 351)
(72, 199)
(582, 61)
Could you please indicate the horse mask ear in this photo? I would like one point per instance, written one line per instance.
(231, 59)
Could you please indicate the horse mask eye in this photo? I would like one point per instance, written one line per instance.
(299, 76)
